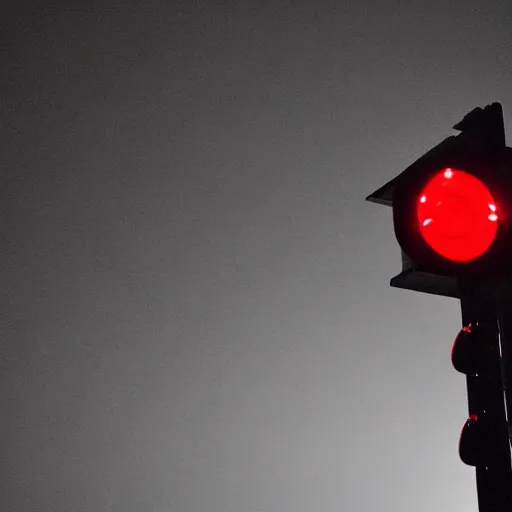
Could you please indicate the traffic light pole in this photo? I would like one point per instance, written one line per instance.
(504, 318)
(491, 307)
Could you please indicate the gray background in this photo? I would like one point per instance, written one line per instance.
(196, 314)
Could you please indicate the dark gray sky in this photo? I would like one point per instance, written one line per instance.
(197, 311)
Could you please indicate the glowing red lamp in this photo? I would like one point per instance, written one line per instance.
(457, 215)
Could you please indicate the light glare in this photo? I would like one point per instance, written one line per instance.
(459, 220)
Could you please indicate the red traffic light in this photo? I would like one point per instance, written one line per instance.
(457, 215)
(475, 351)
(471, 442)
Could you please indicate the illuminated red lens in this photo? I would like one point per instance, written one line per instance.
(457, 215)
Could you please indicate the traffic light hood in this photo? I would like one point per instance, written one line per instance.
(481, 130)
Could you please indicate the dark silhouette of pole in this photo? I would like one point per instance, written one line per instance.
(486, 397)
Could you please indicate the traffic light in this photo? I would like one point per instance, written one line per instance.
(452, 208)
(480, 352)
(457, 215)
(452, 217)
(475, 351)
(484, 437)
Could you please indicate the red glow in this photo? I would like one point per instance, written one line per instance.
(457, 215)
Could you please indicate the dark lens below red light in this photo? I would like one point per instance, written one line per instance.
(457, 215)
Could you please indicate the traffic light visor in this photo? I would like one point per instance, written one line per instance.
(457, 215)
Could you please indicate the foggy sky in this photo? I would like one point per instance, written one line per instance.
(196, 310)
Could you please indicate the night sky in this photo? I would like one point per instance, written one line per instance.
(196, 313)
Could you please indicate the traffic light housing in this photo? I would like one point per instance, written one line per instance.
(452, 217)
(476, 353)
(452, 208)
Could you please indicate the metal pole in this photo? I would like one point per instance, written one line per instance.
(504, 318)
(486, 396)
